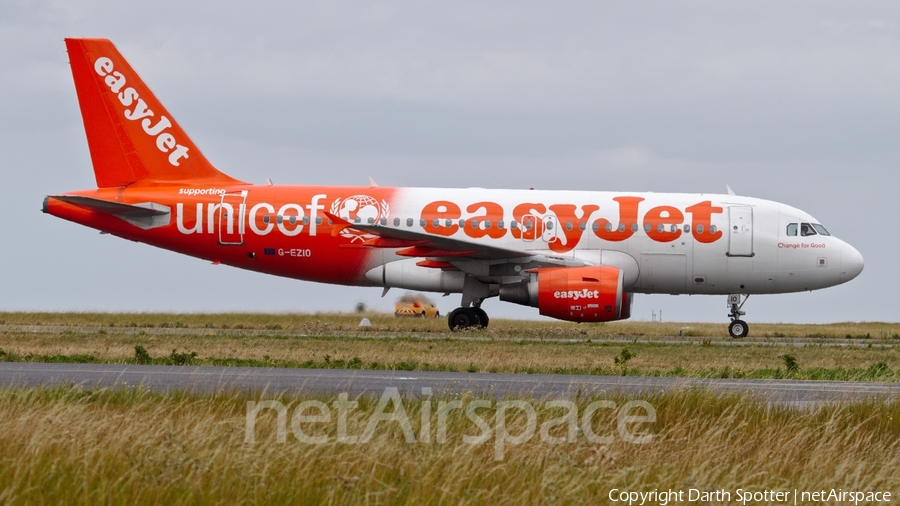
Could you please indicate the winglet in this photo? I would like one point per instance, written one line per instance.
(730, 191)
(338, 224)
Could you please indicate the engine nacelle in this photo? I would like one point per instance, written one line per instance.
(575, 294)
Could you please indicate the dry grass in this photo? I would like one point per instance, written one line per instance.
(130, 446)
(331, 341)
(325, 324)
(64, 445)
(455, 355)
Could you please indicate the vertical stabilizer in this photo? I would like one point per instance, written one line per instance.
(132, 138)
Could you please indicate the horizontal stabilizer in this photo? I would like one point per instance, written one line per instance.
(145, 215)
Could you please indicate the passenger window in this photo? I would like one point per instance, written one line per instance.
(569, 225)
(318, 220)
(700, 229)
(806, 230)
(549, 225)
(306, 220)
(622, 227)
(582, 226)
(462, 223)
(660, 228)
(712, 229)
(634, 227)
(487, 224)
(448, 223)
(596, 226)
(500, 224)
(674, 228)
(513, 225)
(383, 221)
(293, 220)
(422, 222)
(687, 229)
(266, 219)
(473, 223)
(409, 222)
(396, 222)
(646, 227)
(371, 221)
(529, 225)
(608, 226)
(279, 219)
(435, 223)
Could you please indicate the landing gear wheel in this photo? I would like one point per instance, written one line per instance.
(462, 318)
(738, 328)
(483, 319)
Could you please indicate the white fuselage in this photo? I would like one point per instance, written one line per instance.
(743, 245)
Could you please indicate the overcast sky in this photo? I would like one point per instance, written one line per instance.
(797, 102)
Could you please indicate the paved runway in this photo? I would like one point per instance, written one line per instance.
(364, 382)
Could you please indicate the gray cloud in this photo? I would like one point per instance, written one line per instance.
(795, 102)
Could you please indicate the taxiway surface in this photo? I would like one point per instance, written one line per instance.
(412, 383)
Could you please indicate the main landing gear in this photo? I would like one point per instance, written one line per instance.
(738, 327)
(464, 317)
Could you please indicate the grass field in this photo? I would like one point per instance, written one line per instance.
(323, 324)
(129, 446)
(336, 341)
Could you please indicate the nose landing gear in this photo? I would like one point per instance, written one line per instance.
(464, 317)
(737, 327)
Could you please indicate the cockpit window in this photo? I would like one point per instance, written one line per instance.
(792, 229)
(806, 230)
(820, 229)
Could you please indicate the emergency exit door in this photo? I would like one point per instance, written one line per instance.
(231, 218)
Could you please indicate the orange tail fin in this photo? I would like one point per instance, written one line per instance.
(131, 136)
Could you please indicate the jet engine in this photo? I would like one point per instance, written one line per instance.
(575, 294)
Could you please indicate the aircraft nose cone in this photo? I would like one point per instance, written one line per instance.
(852, 263)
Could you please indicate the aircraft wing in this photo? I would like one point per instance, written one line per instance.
(420, 244)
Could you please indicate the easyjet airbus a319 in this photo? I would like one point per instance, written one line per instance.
(575, 255)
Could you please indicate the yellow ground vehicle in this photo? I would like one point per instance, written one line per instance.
(415, 306)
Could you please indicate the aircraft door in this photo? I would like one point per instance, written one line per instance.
(551, 226)
(740, 231)
(230, 219)
(530, 225)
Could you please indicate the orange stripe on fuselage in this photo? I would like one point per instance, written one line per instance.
(288, 246)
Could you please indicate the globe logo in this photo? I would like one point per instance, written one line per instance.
(362, 209)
